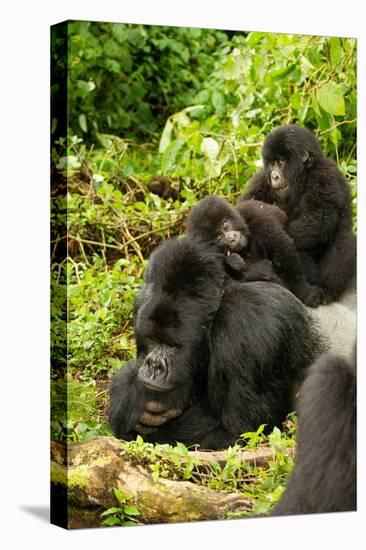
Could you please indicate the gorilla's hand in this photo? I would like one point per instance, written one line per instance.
(235, 262)
(155, 415)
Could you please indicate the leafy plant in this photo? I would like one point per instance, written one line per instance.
(165, 461)
(123, 514)
(126, 78)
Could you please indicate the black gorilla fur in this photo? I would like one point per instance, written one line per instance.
(255, 231)
(224, 352)
(311, 190)
(324, 475)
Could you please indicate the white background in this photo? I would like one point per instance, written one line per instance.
(24, 355)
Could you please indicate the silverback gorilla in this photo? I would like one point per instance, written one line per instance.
(254, 241)
(308, 186)
(324, 475)
(222, 354)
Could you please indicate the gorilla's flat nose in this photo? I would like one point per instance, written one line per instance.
(155, 366)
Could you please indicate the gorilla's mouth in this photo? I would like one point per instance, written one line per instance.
(282, 189)
(238, 245)
(157, 387)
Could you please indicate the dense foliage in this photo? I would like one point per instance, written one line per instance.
(143, 102)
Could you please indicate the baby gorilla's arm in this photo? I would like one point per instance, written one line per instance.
(235, 262)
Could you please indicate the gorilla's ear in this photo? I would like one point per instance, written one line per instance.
(304, 156)
(307, 158)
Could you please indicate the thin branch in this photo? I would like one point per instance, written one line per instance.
(96, 243)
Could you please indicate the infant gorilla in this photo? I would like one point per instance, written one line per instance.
(254, 241)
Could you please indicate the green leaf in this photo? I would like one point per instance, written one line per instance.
(170, 154)
(131, 511)
(218, 100)
(182, 119)
(82, 123)
(212, 168)
(210, 148)
(262, 507)
(261, 428)
(112, 520)
(166, 136)
(120, 496)
(194, 109)
(282, 73)
(113, 510)
(330, 98)
(53, 125)
(336, 51)
(277, 493)
(85, 86)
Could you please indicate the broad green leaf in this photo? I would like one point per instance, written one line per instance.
(131, 511)
(330, 98)
(260, 429)
(336, 51)
(282, 73)
(120, 496)
(83, 123)
(295, 100)
(212, 168)
(230, 69)
(166, 136)
(85, 86)
(194, 109)
(218, 100)
(113, 510)
(277, 493)
(210, 148)
(261, 507)
(170, 154)
(182, 119)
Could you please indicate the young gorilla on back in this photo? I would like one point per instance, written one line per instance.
(310, 189)
(254, 241)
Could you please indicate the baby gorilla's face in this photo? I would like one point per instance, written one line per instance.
(279, 181)
(230, 237)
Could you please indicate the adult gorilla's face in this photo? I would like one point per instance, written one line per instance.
(181, 293)
(157, 371)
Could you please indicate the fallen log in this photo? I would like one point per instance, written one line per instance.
(84, 475)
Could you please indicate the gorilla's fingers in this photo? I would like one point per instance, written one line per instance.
(155, 407)
(153, 419)
(172, 413)
(159, 419)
